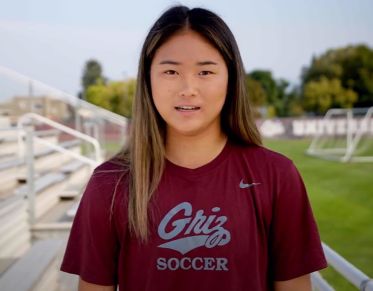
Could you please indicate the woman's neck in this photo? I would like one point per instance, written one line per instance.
(194, 151)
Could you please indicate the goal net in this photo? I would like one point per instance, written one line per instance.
(345, 135)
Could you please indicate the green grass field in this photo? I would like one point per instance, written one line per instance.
(342, 201)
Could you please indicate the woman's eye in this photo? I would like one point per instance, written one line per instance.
(204, 73)
(170, 72)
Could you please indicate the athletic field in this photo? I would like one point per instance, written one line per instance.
(342, 201)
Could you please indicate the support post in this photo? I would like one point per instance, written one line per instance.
(29, 154)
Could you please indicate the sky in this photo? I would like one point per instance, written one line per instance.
(51, 40)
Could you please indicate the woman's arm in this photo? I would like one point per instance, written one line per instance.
(302, 283)
(85, 286)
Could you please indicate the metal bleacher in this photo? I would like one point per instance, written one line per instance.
(44, 166)
(33, 234)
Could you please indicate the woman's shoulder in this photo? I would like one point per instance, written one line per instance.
(263, 155)
(269, 163)
(109, 175)
(110, 166)
(113, 164)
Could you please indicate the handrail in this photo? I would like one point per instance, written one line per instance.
(65, 151)
(94, 142)
(347, 270)
(66, 97)
(319, 283)
(110, 116)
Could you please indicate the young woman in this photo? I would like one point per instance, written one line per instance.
(195, 202)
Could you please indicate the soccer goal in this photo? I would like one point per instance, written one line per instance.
(344, 135)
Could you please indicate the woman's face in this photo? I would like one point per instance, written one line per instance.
(189, 80)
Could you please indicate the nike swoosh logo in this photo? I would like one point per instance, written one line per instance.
(244, 185)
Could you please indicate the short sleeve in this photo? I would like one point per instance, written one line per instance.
(93, 245)
(295, 246)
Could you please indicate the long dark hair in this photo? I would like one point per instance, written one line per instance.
(146, 152)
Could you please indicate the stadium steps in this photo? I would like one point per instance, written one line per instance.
(5, 122)
(9, 139)
(14, 170)
(9, 149)
(8, 176)
(48, 159)
(47, 188)
(11, 165)
(58, 181)
(14, 224)
(42, 259)
(15, 235)
(51, 213)
(55, 221)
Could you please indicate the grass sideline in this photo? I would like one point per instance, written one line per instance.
(341, 195)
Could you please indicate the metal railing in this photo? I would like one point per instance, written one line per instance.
(29, 158)
(319, 283)
(97, 148)
(347, 270)
(83, 109)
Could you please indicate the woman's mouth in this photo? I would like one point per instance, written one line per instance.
(187, 108)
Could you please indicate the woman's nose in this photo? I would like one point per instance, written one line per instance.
(188, 87)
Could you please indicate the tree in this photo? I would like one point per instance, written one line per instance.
(125, 103)
(114, 96)
(283, 99)
(92, 75)
(276, 97)
(294, 105)
(100, 95)
(323, 94)
(268, 83)
(352, 65)
(257, 95)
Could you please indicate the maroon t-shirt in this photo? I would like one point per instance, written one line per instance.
(239, 222)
